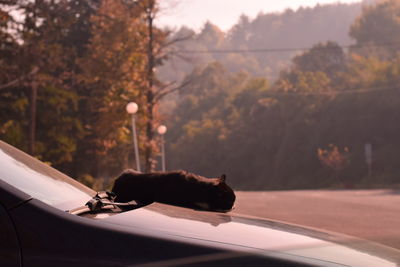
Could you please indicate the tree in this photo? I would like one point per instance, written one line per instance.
(324, 57)
(9, 48)
(42, 88)
(333, 157)
(13, 102)
(303, 82)
(240, 33)
(379, 26)
(211, 36)
(111, 75)
(157, 51)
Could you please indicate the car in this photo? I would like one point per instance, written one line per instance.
(50, 219)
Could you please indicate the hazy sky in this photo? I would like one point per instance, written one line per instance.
(225, 13)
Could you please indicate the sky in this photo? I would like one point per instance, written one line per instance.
(225, 13)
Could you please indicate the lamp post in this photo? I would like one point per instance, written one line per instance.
(132, 108)
(162, 129)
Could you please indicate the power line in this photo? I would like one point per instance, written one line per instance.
(277, 50)
(331, 92)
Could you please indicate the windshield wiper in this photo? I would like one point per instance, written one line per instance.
(104, 201)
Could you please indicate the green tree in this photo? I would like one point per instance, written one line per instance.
(43, 63)
(324, 57)
(13, 102)
(378, 25)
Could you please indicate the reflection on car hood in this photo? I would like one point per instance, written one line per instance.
(247, 234)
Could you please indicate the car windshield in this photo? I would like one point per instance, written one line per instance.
(39, 180)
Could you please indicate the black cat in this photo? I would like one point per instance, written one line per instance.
(177, 188)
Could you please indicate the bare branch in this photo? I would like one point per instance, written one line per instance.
(185, 57)
(170, 43)
(179, 39)
(163, 88)
(20, 79)
(160, 94)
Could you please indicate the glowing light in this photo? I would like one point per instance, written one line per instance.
(162, 129)
(132, 108)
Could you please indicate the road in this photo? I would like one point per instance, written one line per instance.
(369, 214)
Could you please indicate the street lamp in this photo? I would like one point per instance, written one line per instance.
(132, 108)
(162, 129)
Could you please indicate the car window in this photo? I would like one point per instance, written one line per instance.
(38, 179)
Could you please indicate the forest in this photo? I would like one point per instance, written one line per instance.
(287, 100)
(277, 35)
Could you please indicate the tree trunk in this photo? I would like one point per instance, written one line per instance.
(32, 119)
(149, 166)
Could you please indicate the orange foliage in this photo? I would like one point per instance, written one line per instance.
(333, 157)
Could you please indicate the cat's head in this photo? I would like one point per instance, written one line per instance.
(221, 196)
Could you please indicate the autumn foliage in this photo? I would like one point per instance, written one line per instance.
(333, 158)
(249, 106)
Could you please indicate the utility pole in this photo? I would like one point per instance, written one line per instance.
(155, 52)
(150, 13)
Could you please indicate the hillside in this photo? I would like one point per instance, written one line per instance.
(291, 29)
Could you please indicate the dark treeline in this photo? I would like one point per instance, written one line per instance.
(69, 68)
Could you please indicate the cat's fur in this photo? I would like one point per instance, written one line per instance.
(177, 188)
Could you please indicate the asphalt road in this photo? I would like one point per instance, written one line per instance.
(369, 214)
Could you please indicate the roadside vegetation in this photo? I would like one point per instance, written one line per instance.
(252, 103)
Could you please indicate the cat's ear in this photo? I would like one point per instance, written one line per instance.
(223, 178)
